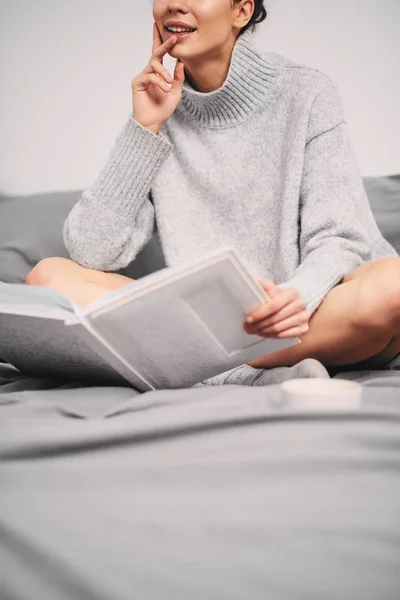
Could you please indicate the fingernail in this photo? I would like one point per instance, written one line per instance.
(250, 320)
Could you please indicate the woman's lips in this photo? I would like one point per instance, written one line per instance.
(180, 36)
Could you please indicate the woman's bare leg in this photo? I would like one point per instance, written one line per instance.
(81, 292)
(78, 283)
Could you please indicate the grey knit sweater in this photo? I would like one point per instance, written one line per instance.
(264, 164)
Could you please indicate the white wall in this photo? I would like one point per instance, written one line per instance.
(66, 68)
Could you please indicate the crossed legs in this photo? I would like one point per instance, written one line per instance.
(358, 319)
(78, 283)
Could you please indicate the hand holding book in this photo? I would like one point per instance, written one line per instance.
(283, 316)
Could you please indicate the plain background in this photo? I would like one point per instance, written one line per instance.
(66, 68)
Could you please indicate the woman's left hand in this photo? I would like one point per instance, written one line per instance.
(283, 316)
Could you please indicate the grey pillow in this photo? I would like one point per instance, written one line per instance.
(31, 228)
(384, 196)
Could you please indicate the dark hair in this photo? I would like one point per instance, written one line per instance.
(259, 15)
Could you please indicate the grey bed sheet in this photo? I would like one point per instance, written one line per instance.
(202, 493)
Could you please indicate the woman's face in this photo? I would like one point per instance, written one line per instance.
(213, 20)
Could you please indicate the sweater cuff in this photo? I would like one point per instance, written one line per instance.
(313, 288)
(133, 164)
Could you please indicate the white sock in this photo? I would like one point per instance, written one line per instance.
(246, 375)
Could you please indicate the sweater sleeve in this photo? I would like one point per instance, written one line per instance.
(114, 219)
(334, 234)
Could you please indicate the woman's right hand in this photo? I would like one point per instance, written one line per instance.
(153, 101)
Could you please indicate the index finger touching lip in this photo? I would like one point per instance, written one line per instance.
(165, 47)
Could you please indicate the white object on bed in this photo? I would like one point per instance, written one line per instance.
(322, 394)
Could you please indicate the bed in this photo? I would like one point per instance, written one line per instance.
(221, 492)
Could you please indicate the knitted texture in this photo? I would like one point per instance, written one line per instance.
(264, 164)
(247, 375)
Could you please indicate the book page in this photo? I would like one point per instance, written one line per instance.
(46, 347)
(41, 335)
(189, 327)
(18, 298)
(164, 277)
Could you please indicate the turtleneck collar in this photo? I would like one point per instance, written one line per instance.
(251, 82)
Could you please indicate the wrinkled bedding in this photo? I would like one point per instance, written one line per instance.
(200, 493)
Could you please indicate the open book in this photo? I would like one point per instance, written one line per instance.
(171, 329)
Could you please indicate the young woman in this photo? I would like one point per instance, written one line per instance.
(242, 148)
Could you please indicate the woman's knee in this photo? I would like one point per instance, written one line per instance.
(47, 269)
(379, 294)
